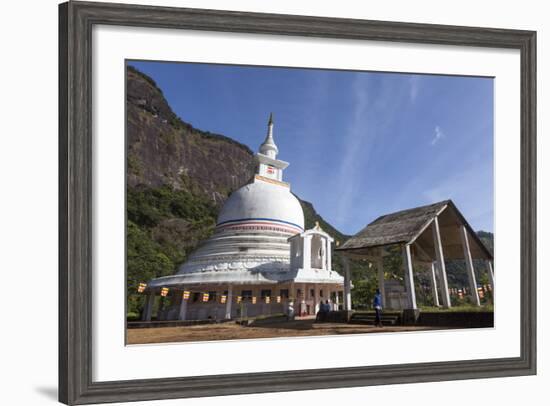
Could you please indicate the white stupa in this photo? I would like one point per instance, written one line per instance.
(259, 256)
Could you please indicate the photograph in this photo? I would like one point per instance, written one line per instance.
(268, 202)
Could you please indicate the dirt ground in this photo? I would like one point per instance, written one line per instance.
(233, 331)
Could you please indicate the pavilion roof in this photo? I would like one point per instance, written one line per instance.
(409, 226)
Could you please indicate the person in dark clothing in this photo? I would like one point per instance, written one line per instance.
(327, 310)
(377, 304)
(324, 308)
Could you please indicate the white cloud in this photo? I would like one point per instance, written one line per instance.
(438, 135)
(357, 140)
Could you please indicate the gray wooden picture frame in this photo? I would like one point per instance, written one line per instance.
(76, 20)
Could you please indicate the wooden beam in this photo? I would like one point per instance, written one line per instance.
(469, 265)
(428, 223)
(433, 281)
(380, 266)
(491, 274)
(409, 277)
(440, 260)
(347, 283)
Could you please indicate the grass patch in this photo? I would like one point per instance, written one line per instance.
(458, 309)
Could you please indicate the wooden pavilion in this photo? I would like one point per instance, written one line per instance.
(426, 235)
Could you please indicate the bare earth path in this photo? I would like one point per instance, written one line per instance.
(232, 331)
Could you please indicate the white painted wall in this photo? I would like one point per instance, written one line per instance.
(28, 167)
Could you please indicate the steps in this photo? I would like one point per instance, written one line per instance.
(368, 318)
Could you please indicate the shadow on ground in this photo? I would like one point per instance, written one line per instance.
(49, 392)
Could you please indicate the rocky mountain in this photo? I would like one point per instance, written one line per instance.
(164, 150)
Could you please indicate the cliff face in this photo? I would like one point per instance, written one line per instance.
(163, 150)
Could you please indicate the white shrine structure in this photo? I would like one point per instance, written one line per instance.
(259, 261)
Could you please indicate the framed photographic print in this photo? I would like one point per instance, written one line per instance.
(259, 202)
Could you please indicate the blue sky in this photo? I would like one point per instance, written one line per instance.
(360, 144)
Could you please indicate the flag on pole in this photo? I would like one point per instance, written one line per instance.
(186, 294)
(164, 292)
(141, 287)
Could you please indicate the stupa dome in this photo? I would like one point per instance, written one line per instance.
(250, 243)
(263, 203)
(258, 251)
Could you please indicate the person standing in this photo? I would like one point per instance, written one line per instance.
(377, 304)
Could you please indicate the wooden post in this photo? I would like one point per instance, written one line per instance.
(183, 308)
(444, 288)
(380, 266)
(433, 281)
(474, 294)
(148, 310)
(347, 283)
(409, 277)
(491, 274)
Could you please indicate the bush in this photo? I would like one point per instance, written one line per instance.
(132, 316)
